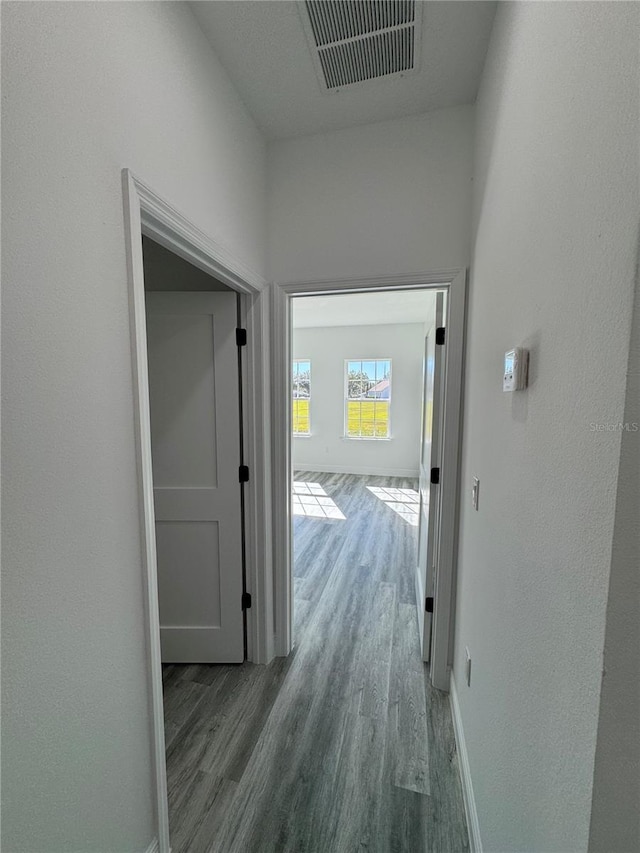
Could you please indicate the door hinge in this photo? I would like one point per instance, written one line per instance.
(241, 337)
(243, 473)
(428, 604)
(435, 476)
(440, 335)
(246, 600)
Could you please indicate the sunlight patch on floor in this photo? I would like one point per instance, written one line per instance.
(310, 499)
(406, 502)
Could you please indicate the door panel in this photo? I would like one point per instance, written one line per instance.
(195, 445)
(430, 456)
(183, 410)
(190, 595)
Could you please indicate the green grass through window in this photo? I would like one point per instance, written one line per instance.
(300, 417)
(368, 419)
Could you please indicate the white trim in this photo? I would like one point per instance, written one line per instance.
(281, 469)
(258, 516)
(455, 283)
(145, 212)
(371, 283)
(473, 824)
(359, 469)
(445, 581)
(153, 847)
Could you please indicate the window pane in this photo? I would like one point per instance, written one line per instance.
(353, 418)
(354, 389)
(369, 370)
(382, 419)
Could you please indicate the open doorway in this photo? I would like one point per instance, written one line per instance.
(366, 403)
(435, 596)
(195, 408)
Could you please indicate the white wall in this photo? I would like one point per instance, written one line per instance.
(386, 198)
(327, 449)
(555, 237)
(90, 88)
(615, 817)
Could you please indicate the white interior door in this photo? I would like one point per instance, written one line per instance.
(430, 458)
(195, 445)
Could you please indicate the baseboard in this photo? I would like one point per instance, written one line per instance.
(357, 469)
(473, 824)
(154, 847)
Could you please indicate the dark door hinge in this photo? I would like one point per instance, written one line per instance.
(428, 604)
(243, 473)
(246, 600)
(241, 337)
(435, 476)
(440, 335)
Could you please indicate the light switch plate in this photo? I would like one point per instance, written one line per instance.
(475, 493)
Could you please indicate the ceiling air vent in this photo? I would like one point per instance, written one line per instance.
(357, 40)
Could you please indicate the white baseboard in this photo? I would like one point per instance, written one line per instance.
(473, 824)
(357, 469)
(154, 847)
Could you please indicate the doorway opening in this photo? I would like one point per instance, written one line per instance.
(195, 366)
(362, 416)
(366, 406)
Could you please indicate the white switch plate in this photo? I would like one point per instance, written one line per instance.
(475, 493)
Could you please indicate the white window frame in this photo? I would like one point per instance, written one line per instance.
(295, 361)
(346, 399)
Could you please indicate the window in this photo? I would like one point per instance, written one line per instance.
(301, 397)
(367, 398)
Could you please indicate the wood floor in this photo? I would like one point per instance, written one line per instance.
(343, 746)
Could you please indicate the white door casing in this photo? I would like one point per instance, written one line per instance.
(195, 445)
(454, 283)
(147, 212)
(430, 460)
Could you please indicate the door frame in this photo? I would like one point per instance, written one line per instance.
(454, 282)
(145, 212)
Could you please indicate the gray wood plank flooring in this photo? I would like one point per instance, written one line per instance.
(343, 746)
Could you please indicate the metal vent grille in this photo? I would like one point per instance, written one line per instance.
(363, 59)
(336, 20)
(359, 40)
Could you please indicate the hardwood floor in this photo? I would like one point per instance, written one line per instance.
(343, 746)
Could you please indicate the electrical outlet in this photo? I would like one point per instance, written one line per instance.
(467, 666)
(475, 493)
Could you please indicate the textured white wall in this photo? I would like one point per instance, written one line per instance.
(555, 236)
(89, 88)
(327, 449)
(381, 199)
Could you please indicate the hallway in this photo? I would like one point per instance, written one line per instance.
(344, 746)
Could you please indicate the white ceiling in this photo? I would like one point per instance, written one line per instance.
(363, 309)
(263, 47)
